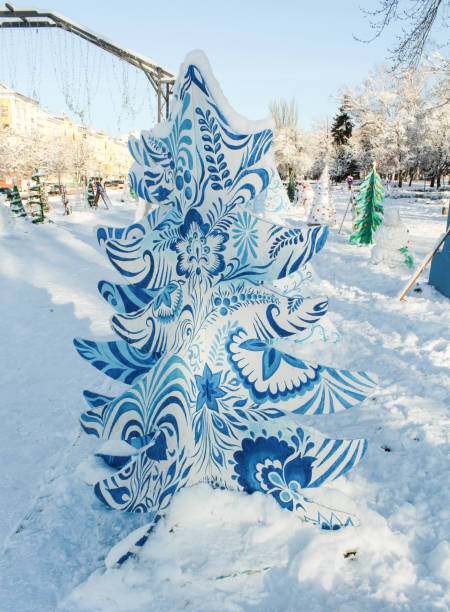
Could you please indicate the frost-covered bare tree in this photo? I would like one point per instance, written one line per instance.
(437, 63)
(284, 113)
(83, 159)
(289, 142)
(14, 153)
(39, 154)
(291, 152)
(61, 158)
(418, 17)
(320, 149)
(55, 157)
(435, 158)
(387, 110)
(400, 120)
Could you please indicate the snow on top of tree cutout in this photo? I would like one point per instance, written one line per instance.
(199, 61)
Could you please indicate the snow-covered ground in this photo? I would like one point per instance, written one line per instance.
(220, 550)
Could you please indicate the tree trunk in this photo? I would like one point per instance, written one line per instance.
(400, 179)
(438, 181)
(432, 182)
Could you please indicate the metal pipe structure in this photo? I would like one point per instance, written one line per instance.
(160, 77)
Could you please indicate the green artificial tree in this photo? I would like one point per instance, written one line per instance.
(91, 194)
(37, 197)
(16, 205)
(291, 187)
(369, 210)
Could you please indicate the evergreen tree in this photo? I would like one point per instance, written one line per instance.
(37, 197)
(342, 127)
(341, 132)
(16, 205)
(291, 187)
(369, 209)
(343, 163)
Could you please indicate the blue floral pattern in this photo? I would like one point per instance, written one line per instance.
(209, 399)
(245, 235)
(199, 250)
(209, 390)
(275, 467)
(167, 302)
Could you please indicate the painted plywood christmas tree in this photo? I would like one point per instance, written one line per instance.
(15, 203)
(208, 398)
(368, 209)
(322, 210)
(37, 197)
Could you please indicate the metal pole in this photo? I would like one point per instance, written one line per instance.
(159, 93)
(167, 100)
(33, 18)
(346, 210)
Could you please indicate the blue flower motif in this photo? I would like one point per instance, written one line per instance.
(209, 390)
(273, 466)
(162, 193)
(245, 235)
(199, 250)
(165, 296)
(271, 357)
(167, 304)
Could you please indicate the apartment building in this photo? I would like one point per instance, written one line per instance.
(66, 150)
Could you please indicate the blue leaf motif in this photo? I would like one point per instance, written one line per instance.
(270, 362)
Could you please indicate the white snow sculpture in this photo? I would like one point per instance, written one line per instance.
(391, 246)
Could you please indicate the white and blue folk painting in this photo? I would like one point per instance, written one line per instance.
(208, 397)
(297, 285)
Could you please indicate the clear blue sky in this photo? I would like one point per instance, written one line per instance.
(258, 49)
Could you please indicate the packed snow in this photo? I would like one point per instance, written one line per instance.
(222, 550)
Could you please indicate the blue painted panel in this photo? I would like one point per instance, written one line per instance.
(209, 398)
(440, 267)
